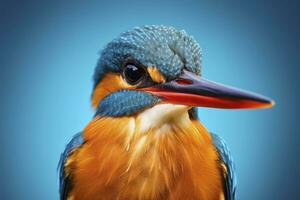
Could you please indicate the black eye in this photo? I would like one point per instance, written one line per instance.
(133, 74)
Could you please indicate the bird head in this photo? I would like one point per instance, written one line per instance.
(159, 65)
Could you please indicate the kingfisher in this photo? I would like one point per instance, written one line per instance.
(145, 141)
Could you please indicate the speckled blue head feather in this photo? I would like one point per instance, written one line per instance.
(166, 48)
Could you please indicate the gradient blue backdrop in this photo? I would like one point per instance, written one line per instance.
(48, 51)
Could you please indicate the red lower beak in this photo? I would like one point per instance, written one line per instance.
(192, 90)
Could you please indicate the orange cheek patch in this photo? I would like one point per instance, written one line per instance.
(111, 82)
(156, 75)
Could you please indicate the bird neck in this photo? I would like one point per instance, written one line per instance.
(158, 150)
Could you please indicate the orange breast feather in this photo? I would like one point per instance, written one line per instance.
(118, 162)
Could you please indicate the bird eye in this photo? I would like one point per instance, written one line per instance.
(133, 74)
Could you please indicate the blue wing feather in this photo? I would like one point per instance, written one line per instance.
(64, 182)
(230, 179)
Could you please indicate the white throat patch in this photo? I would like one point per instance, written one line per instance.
(163, 115)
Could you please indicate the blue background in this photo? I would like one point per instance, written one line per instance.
(48, 51)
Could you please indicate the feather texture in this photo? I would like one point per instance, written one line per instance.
(228, 169)
(64, 178)
(119, 160)
(168, 49)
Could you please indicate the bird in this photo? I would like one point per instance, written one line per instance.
(146, 141)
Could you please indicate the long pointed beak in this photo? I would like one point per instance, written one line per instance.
(192, 90)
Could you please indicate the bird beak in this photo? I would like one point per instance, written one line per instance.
(192, 90)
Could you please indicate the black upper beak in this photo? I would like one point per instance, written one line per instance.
(190, 89)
